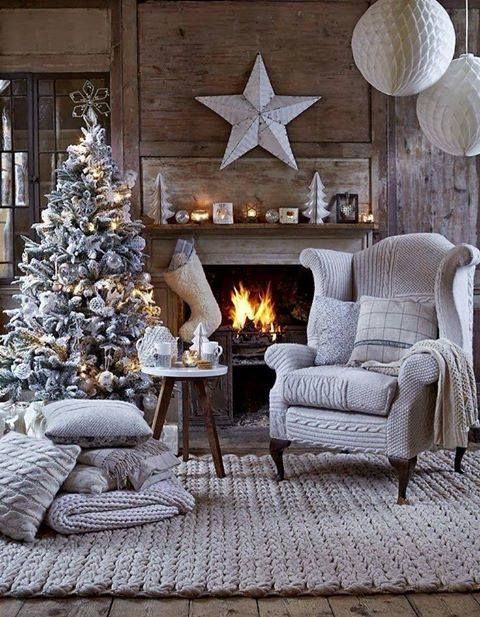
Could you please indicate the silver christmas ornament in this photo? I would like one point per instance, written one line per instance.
(105, 380)
(113, 261)
(149, 403)
(272, 216)
(182, 217)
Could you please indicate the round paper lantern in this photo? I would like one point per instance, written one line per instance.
(402, 47)
(449, 111)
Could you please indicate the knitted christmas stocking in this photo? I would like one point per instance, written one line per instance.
(189, 282)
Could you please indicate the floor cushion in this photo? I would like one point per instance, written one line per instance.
(342, 388)
(31, 473)
(95, 423)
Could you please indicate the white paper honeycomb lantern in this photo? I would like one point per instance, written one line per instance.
(449, 111)
(403, 47)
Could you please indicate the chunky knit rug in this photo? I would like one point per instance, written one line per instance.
(332, 527)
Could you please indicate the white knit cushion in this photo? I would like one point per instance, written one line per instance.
(95, 423)
(342, 388)
(31, 473)
(334, 331)
(388, 327)
(88, 479)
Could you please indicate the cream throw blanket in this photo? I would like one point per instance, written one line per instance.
(80, 513)
(456, 406)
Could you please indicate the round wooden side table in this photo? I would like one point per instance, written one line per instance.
(198, 377)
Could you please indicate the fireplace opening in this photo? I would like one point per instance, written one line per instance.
(260, 305)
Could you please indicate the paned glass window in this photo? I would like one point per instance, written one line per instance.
(36, 128)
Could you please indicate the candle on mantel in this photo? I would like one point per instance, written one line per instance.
(368, 218)
(251, 214)
(200, 216)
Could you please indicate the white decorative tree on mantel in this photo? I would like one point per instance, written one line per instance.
(317, 203)
(161, 209)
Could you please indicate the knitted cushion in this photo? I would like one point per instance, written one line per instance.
(334, 331)
(342, 388)
(95, 423)
(31, 473)
(387, 327)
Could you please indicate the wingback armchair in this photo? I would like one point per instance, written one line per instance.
(395, 416)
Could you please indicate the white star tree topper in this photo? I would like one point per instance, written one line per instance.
(258, 117)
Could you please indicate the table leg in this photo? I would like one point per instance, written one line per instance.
(162, 406)
(186, 423)
(209, 420)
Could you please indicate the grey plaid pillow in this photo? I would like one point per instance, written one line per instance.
(388, 327)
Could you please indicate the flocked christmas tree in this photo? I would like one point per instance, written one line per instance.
(84, 298)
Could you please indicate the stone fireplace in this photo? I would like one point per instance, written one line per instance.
(264, 295)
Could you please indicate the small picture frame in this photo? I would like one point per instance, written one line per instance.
(223, 213)
(288, 216)
(346, 205)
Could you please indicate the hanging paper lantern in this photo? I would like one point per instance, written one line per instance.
(403, 47)
(449, 111)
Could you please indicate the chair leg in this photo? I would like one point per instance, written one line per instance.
(277, 446)
(404, 469)
(459, 454)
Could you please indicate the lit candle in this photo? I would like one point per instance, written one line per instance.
(200, 216)
(251, 214)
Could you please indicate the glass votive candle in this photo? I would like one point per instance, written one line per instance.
(200, 216)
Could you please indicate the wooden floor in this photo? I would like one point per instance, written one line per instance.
(412, 605)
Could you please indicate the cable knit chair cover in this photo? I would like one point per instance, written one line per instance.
(419, 266)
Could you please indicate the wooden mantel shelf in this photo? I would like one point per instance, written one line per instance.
(271, 229)
(253, 243)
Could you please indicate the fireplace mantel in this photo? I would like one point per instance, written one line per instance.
(252, 243)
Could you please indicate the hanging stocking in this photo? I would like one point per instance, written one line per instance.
(187, 279)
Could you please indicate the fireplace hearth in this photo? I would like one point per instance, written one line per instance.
(261, 306)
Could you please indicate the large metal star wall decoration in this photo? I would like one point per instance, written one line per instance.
(258, 117)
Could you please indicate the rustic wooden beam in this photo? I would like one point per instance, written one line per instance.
(131, 122)
(54, 4)
(116, 82)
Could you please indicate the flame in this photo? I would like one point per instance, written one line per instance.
(260, 309)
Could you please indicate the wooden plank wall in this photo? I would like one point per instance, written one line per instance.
(191, 48)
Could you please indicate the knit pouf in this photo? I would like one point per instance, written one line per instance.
(190, 284)
(331, 527)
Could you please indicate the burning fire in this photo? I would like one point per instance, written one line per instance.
(259, 309)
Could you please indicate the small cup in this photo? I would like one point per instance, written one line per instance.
(211, 351)
(163, 355)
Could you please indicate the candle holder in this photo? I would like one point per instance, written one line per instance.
(251, 213)
(200, 216)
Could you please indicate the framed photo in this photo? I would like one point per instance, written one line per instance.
(288, 216)
(346, 207)
(223, 214)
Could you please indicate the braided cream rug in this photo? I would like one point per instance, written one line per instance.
(332, 527)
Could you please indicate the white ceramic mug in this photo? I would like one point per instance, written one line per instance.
(163, 355)
(211, 351)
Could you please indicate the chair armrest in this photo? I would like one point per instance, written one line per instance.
(420, 368)
(286, 357)
(410, 422)
(332, 272)
(454, 295)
